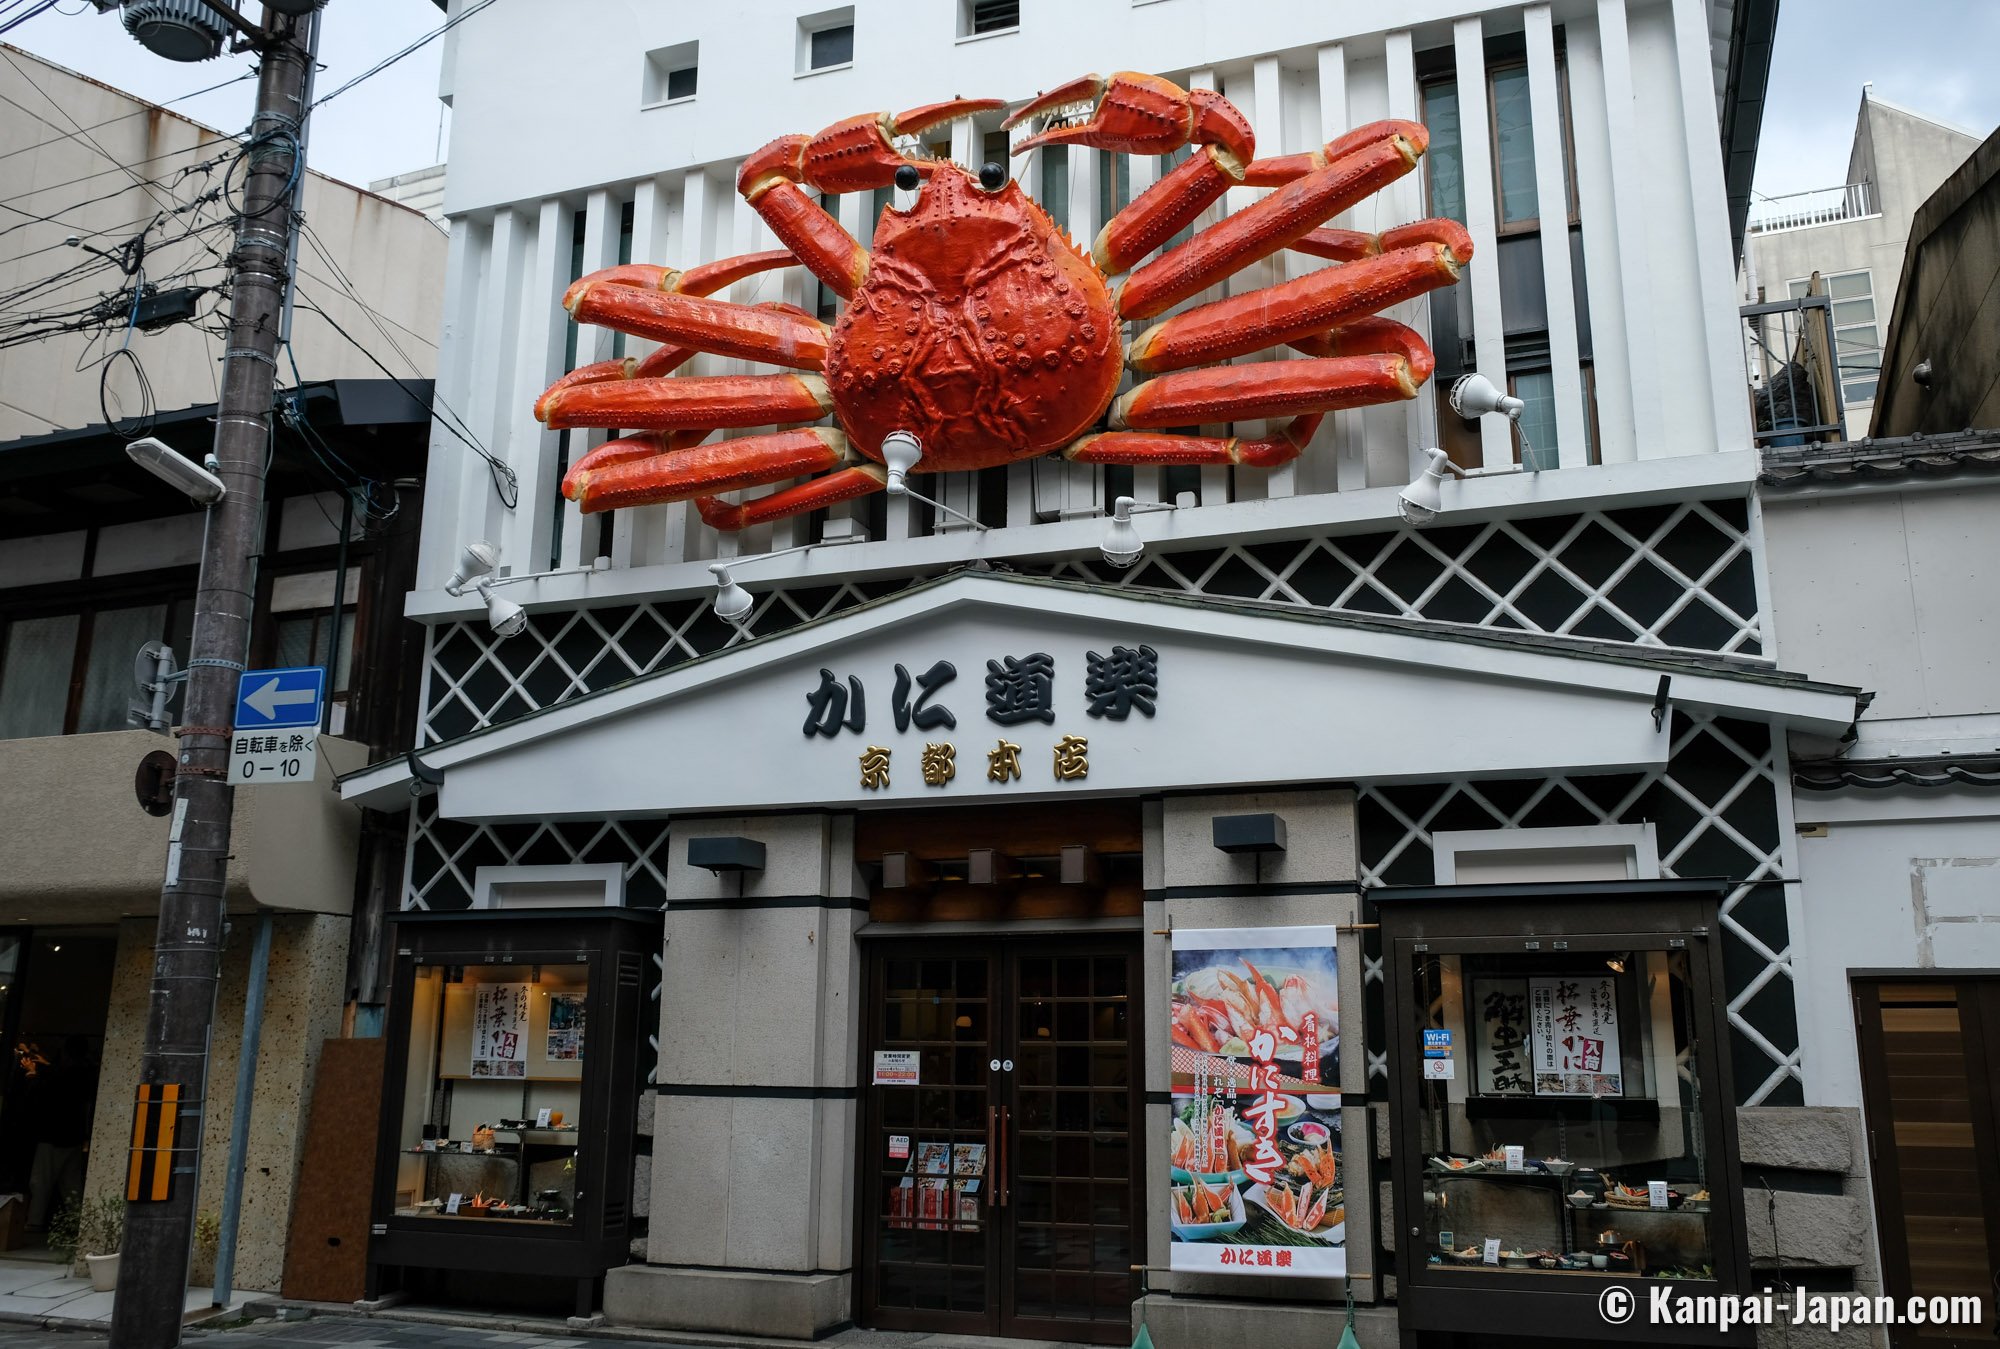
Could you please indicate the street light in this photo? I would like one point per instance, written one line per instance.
(177, 470)
(476, 562)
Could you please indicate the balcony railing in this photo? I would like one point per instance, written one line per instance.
(1794, 378)
(1820, 206)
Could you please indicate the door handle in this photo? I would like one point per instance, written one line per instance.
(1006, 1177)
(992, 1157)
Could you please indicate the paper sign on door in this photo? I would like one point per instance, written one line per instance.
(896, 1067)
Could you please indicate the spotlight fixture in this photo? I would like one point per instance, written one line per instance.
(506, 618)
(900, 452)
(476, 560)
(1474, 396)
(1420, 502)
(732, 602)
(176, 470)
(1122, 544)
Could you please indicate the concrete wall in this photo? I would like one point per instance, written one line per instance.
(760, 989)
(302, 1008)
(393, 256)
(1890, 591)
(294, 845)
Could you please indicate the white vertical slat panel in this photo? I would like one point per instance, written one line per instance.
(1215, 481)
(451, 494)
(747, 234)
(1629, 211)
(851, 209)
(1475, 125)
(1341, 435)
(539, 361)
(1720, 324)
(485, 410)
(1267, 117)
(692, 240)
(960, 491)
(1405, 202)
(639, 537)
(593, 343)
(1145, 172)
(1552, 191)
(1082, 484)
(1597, 212)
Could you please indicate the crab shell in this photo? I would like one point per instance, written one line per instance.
(980, 327)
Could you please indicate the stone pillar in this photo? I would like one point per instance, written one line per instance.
(754, 1117)
(1191, 884)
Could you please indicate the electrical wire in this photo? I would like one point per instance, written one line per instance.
(394, 57)
(42, 7)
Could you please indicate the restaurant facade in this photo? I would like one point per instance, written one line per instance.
(1324, 911)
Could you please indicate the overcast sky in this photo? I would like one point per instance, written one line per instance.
(1928, 55)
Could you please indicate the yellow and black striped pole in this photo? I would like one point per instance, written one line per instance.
(155, 1120)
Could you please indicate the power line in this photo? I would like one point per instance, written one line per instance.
(140, 111)
(81, 133)
(391, 60)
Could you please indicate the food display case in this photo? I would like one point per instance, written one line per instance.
(1562, 1109)
(510, 1095)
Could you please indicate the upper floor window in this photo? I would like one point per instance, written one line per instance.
(978, 17)
(826, 40)
(1857, 340)
(671, 73)
(70, 672)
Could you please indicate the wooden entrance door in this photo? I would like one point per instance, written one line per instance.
(1930, 1082)
(999, 1192)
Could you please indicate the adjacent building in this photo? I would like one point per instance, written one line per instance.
(112, 269)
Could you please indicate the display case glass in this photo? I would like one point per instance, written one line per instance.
(1562, 1108)
(492, 1099)
(516, 1054)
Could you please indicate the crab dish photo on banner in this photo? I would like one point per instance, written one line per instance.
(1254, 1183)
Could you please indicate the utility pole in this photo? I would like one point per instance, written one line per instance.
(158, 1240)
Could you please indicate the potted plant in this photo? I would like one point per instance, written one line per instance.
(100, 1232)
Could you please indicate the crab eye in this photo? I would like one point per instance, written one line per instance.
(907, 177)
(992, 177)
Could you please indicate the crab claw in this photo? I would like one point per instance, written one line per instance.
(857, 154)
(919, 120)
(1135, 114)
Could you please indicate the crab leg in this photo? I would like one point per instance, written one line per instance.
(807, 496)
(630, 449)
(1166, 447)
(704, 400)
(854, 155)
(752, 333)
(1294, 309)
(750, 461)
(1143, 114)
(1387, 151)
(1271, 389)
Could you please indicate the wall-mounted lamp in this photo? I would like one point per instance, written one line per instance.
(726, 853)
(732, 602)
(1474, 396)
(476, 562)
(1122, 544)
(900, 452)
(1259, 833)
(1420, 502)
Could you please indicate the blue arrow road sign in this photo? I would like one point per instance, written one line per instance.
(266, 699)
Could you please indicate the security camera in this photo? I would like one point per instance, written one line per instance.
(163, 462)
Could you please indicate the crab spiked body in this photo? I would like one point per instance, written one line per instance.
(976, 324)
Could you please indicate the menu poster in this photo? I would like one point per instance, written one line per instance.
(1500, 1038)
(566, 1025)
(1575, 1036)
(933, 1159)
(500, 1031)
(1255, 1185)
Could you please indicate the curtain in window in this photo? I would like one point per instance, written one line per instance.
(1514, 146)
(34, 675)
(108, 686)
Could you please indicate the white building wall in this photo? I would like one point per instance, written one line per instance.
(548, 122)
(372, 265)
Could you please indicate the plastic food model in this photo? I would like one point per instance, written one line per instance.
(975, 324)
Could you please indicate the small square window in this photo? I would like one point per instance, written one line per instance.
(978, 17)
(670, 73)
(826, 40)
(833, 47)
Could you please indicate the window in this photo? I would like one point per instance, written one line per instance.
(1513, 146)
(1856, 339)
(670, 73)
(302, 632)
(978, 17)
(826, 40)
(71, 673)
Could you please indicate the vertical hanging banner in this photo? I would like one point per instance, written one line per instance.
(500, 1031)
(1254, 1184)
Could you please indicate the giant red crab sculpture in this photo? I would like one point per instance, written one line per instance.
(978, 326)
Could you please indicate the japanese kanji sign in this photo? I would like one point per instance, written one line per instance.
(1575, 1034)
(1500, 1038)
(500, 1031)
(1256, 1183)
